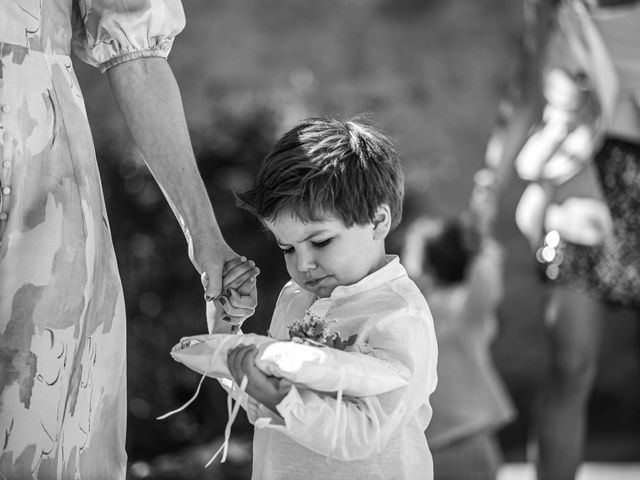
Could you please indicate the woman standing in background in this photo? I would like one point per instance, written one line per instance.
(580, 209)
(62, 319)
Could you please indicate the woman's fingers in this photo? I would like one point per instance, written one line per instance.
(234, 262)
(238, 274)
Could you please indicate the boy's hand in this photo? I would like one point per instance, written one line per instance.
(267, 390)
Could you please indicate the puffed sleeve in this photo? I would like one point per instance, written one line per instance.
(110, 32)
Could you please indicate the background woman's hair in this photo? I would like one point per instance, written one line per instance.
(449, 251)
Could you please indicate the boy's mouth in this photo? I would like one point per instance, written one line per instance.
(315, 282)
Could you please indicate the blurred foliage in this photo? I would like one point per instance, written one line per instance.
(163, 294)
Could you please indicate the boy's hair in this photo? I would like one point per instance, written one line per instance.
(326, 166)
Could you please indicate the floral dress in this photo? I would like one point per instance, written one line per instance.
(610, 271)
(62, 320)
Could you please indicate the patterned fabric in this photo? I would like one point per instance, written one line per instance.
(609, 272)
(62, 319)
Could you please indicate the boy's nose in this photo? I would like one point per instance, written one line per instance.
(306, 263)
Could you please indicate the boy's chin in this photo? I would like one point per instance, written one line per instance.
(322, 291)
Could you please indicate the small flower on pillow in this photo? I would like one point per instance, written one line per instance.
(314, 330)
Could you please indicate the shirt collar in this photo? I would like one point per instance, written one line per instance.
(392, 269)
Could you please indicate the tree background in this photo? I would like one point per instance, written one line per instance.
(430, 73)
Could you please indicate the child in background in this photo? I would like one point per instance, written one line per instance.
(330, 192)
(459, 268)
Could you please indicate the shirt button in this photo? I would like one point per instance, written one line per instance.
(5, 108)
(6, 137)
(6, 190)
(6, 164)
(3, 215)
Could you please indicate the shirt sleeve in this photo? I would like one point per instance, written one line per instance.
(356, 428)
(254, 409)
(109, 32)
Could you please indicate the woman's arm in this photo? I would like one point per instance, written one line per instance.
(522, 103)
(149, 99)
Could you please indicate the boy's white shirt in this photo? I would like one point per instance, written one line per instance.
(379, 436)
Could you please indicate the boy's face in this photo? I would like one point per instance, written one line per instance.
(323, 255)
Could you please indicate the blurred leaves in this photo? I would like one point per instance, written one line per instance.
(162, 290)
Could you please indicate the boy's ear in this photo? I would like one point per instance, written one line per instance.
(382, 222)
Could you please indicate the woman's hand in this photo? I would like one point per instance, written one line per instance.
(239, 298)
(267, 390)
(583, 221)
(215, 266)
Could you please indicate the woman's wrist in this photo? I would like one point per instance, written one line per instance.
(204, 231)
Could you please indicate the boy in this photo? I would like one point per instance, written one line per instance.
(330, 192)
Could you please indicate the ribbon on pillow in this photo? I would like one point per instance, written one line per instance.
(311, 366)
(318, 368)
(232, 410)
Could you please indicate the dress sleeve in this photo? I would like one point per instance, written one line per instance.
(350, 428)
(109, 32)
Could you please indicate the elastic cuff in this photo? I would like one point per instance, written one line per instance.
(151, 52)
(288, 403)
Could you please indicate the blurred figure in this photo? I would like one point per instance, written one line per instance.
(458, 265)
(63, 401)
(579, 211)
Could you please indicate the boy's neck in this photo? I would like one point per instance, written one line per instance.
(384, 261)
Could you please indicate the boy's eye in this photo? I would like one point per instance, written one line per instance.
(287, 250)
(322, 243)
